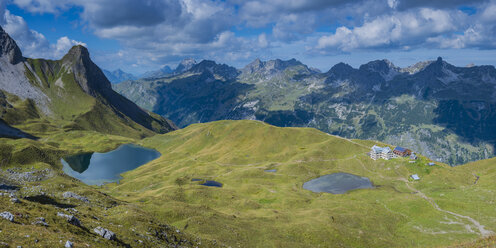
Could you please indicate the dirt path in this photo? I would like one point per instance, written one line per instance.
(349, 140)
(481, 228)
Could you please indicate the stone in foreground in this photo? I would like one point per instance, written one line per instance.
(8, 216)
(105, 233)
(70, 218)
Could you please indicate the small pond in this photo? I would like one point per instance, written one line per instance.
(272, 170)
(338, 183)
(209, 183)
(99, 168)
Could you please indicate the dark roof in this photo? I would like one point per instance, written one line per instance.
(400, 149)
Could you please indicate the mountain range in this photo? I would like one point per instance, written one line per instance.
(440, 110)
(165, 71)
(118, 76)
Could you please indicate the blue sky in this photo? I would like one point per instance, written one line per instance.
(138, 36)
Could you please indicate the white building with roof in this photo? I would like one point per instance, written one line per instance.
(378, 152)
(415, 177)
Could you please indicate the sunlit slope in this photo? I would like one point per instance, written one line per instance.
(255, 208)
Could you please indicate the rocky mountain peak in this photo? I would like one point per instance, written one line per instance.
(436, 67)
(271, 66)
(254, 66)
(185, 65)
(416, 67)
(384, 67)
(341, 70)
(9, 48)
(281, 65)
(87, 74)
(77, 52)
(221, 70)
(166, 69)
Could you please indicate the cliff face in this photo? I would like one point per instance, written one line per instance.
(9, 49)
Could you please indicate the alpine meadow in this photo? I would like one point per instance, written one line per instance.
(206, 123)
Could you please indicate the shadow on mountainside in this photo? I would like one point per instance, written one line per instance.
(198, 98)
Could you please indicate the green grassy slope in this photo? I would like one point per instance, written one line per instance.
(43, 198)
(260, 209)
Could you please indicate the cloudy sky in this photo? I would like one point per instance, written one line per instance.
(143, 35)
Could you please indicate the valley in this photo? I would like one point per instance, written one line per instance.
(433, 107)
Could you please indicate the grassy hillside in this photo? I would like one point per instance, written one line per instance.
(34, 168)
(255, 208)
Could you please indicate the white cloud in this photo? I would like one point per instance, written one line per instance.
(41, 6)
(63, 45)
(32, 43)
(156, 32)
(396, 30)
(262, 40)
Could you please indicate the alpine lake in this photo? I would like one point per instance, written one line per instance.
(338, 183)
(100, 168)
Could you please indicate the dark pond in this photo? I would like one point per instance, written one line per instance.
(99, 168)
(338, 183)
(209, 183)
(212, 184)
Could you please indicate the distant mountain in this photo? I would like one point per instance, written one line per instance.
(162, 72)
(118, 76)
(185, 65)
(71, 93)
(445, 112)
(165, 71)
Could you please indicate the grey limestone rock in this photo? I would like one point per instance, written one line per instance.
(70, 218)
(105, 233)
(69, 194)
(8, 216)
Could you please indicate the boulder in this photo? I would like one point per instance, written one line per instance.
(40, 221)
(105, 233)
(8, 216)
(70, 218)
(68, 244)
(69, 194)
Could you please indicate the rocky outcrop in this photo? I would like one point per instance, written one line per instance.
(71, 219)
(40, 221)
(105, 233)
(8, 216)
(69, 194)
